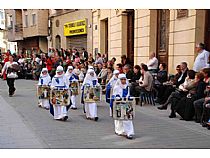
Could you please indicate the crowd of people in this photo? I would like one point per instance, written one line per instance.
(187, 91)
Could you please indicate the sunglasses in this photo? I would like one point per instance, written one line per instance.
(123, 79)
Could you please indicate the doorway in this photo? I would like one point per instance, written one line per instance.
(163, 35)
(104, 33)
(130, 35)
(207, 30)
(58, 42)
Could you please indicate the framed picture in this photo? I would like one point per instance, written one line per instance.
(123, 110)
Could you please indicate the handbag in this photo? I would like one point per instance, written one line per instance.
(12, 75)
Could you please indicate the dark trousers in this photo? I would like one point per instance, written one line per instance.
(206, 114)
(132, 89)
(177, 95)
(174, 102)
(138, 90)
(164, 92)
(11, 85)
(198, 105)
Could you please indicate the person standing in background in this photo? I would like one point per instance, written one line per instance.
(152, 63)
(11, 74)
(84, 54)
(202, 60)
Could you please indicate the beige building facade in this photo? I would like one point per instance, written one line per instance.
(172, 34)
(29, 28)
(4, 43)
(71, 28)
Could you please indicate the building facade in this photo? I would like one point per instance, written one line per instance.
(71, 28)
(29, 28)
(4, 43)
(172, 34)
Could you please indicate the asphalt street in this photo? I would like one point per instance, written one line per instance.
(24, 125)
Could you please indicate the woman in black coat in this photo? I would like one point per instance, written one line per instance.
(136, 76)
(165, 91)
(185, 107)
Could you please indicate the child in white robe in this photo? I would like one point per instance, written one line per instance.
(120, 91)
(91, 108)
(60, 81)
(109, 88)
(72, 77)
(44, 80)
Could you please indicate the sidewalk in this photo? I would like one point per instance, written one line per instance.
(13, 131)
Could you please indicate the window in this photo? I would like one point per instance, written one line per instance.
(33, 19)
(9, 21)
(1, 15)
(26, 20)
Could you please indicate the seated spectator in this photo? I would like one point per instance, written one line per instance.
(160, 78)
(167, 89)
(90, 58)
(187, 87)
(137, 74)
(113, 60)
(109, 74)
(184, 70)
(21, 60)
(184, 106)
(135, 79)
(205, 118)
(68, 61)
(77, 59)
(128, 72)
(104, 58)
(145, 82)
(102, 75)
(162, 75)
(99, 59)
(96, 68)
(29, 71)
(110, 65)
(36, 71)
(119, 67)
(199, 104)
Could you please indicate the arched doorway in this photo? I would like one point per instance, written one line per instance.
(58, 42)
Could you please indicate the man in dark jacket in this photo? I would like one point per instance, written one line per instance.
(128, 71)
(184, 70)
(85, 54)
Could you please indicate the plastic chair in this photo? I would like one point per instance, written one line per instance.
(147, 97)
